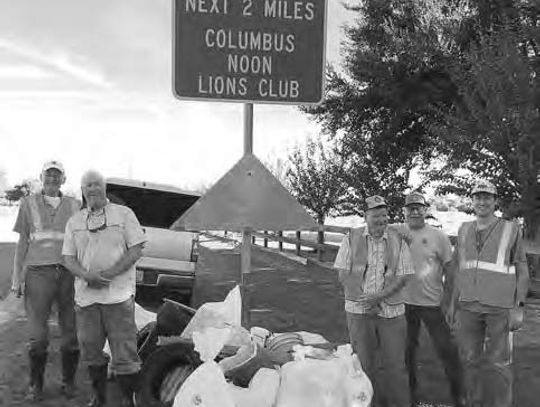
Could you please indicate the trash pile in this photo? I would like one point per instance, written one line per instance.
(241, 368)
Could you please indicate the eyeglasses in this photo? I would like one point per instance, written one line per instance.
(414, 208)
(96, 223)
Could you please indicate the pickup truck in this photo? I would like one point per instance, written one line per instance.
(170, 256)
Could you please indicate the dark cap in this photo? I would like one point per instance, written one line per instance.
(375, 201)
(415, 198)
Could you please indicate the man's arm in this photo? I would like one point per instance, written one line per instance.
(17, 278)
(522, 271)
(129, 258)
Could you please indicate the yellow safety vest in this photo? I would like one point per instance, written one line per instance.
(46, 236)
(353, 278)
(486, 273)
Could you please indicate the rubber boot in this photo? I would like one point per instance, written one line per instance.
(70, 361)
(37, 370)
(98, 376)
(128, 384)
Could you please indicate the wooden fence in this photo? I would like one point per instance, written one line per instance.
(320, 245)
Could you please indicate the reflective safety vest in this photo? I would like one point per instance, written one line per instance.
(486, 273)
(353, 278)
(46, 235)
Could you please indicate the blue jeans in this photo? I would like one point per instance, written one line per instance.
(443, 341)
(43, 286)
(115, 323)
(486, 346)
(372, 335)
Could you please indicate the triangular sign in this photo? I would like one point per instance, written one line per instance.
(248, 196)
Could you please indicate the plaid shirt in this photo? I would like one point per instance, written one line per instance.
(374, 278)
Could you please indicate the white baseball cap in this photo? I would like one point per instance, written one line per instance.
(53, 164)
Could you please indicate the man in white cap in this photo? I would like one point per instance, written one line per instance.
(39, 275)
(492, 283)
(372, 262)
(424, 292)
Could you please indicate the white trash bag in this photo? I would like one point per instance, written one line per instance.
(262, 390)
(227, 313)
(206, 386)
(338, 381)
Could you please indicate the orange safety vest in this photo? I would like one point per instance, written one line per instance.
(47, 233)
(486, 274)
(353, 278)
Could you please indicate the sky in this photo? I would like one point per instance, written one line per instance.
(88, 82)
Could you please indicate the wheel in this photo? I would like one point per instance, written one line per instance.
(164, 372)
(147, 339)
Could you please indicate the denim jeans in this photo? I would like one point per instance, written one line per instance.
(373, 336)
(444, 344)
(43, 286)
(112, 322)
(486, 346)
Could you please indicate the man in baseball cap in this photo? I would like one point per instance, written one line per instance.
(491, 287)
(424, 293)
(372, 265)
(39, 274)
(53, 164)
(485, 187)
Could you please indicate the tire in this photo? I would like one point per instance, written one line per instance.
(163, 372)
(147, 339)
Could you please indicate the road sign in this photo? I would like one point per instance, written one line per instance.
(261, 51)
(248, 196)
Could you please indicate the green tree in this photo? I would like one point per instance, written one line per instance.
(315, 178)
(417, 76)
(493, 128)
(19, 191)
(395, 69)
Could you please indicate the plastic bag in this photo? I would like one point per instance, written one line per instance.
(262, 390)
(227, 313)
(206, 386)
(335, 382)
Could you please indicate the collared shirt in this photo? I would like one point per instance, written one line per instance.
(374, 277)
(100, 249)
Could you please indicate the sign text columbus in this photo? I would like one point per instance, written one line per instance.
(250, 50)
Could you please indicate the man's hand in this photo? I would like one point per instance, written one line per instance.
(96, 280)
(516, 318)
(370, 302)
(17, 289)
(450, 314)
(108, 274)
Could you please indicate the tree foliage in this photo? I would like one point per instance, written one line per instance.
(315, 178)
(449, 86)
(19, 191)
(493, 129)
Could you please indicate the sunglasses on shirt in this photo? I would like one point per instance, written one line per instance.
(100, 225)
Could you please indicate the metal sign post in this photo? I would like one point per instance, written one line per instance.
(245, 253)
(249, 51)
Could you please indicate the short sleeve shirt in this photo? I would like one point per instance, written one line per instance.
(374, 277)
(430, 250)
(101, 249)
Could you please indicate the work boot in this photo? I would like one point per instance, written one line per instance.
(128, 384)
(98, 376)
(37, 370)
(70, 361)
